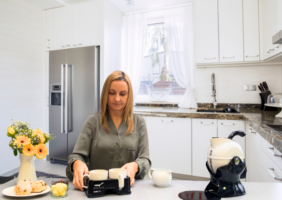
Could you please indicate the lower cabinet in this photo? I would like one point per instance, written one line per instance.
(202, 131)
(170, 143)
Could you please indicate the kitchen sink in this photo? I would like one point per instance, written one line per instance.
(217, 110)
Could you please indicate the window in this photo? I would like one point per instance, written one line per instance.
(157, 79)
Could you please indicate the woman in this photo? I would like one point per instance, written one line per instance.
(114, 137)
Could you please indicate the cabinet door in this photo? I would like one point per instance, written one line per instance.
(225, 127)
(253, 158)
(86, 23)
(251, 30)
(268, 24)
(62, 27)
(206, 31)
(230, 30)
(202, 131)
(170, 143)
(49, 29)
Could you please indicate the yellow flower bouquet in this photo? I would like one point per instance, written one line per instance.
(27, 141)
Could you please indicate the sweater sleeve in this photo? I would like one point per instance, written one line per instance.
(143, 160)
(82, 147)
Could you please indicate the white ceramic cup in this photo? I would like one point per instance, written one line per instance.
(160, 176)
(120, 174)
(96, 175)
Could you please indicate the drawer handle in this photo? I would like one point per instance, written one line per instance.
(272, 148)
(252, 56)
(210, 58)
(278, 46)
(227, 124)
(228, 57)
(253, 132)
(168, 121)
(270, 50)
(207, 123)
(77, 44)
(280, 156)
(273, 175)
(66, 45)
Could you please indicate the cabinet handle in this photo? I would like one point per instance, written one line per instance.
(77, 44)
(167, 121)
(273, 175)
(252, 56)
(66, 45)
(207, 123)
(278, 46)
(270, 50)
(210, 58)
(48, 43)
(276, 155)
(227, 124)
(228, 57)
(253, 132)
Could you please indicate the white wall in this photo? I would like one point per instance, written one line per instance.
(230, 82)
(21, 71)
(113, 20)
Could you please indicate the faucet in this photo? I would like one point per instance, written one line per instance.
(213, 90)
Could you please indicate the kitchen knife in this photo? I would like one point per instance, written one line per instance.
(265, 85)
(261, 86)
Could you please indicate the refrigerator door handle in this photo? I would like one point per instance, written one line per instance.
(62, 96)
(68, 112)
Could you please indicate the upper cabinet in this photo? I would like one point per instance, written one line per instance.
(206, 31)
(48, 29)
(62, 27)
(230, 30)
(251, 30)
(86, 23)
(74, 25)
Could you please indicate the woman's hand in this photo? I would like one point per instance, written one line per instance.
(132, 169)
(79, 169)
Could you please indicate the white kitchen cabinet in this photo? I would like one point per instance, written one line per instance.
(268, 27)
(202, 131)
(230, 30)
(87, 23)
(251, 30)
(225, 127)
(253, 155)
(206, 31)
(48, 30)
(273, 171)
(170, 143)
(62, 27)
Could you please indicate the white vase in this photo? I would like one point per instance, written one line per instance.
(27, 169)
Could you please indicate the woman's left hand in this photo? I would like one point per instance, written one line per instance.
(132, 169)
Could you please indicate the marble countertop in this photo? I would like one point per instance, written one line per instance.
(145, 190)
(256, 118)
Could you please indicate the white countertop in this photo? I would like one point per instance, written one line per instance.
(145, 189)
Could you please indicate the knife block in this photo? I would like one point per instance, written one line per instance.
(263, 97)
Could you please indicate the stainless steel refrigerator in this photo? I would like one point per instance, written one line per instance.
(74, 77)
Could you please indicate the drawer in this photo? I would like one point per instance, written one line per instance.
(273, 171)
(272, 153)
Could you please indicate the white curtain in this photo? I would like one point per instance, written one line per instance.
(133, 45)
(178, 24)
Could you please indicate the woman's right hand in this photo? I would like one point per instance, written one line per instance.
(79, 169)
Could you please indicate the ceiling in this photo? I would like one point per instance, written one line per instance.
(139, 5)
(146, 4)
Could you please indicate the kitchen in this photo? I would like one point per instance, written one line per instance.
(233, 40)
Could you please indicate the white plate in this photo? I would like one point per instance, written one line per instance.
(11, 193)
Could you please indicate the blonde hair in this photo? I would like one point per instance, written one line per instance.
(128, 110)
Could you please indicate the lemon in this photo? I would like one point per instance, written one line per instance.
(56, 193)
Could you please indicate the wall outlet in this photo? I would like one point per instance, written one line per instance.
(250, 87)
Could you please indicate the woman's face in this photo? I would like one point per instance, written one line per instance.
(118, 95)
